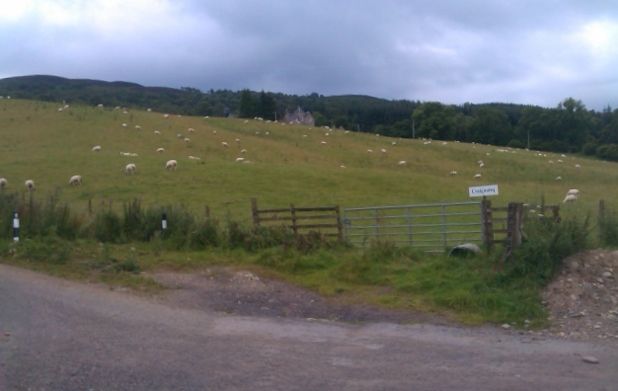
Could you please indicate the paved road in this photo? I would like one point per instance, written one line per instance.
(60, 335)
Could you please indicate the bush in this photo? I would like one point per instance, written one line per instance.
(108, 227)
(608, 228)
(546, 245)
(205, 234)
(590, 148)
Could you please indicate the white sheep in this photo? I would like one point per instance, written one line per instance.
(157, 132)
(477, 176)
(240, 159)
(383, 150)
(243, 151)
(574, 192)
(225, 144)
(569, 198)
(558, 178)
(160, 150)
(138, 127)
(130, 169)
(578, 166)
(29, 184)
(124, 125)
(171, 165)
(3, 183)
(75, 180)
(187, 140)
(323, 142)
(402, 163)
(166, 115)
(370, 150)
(453, 173)
(96, 148)
(191, 130)
(194, 158)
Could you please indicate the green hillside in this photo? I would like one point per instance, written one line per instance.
(282, 164)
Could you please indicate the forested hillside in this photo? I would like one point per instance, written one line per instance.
(568, 127)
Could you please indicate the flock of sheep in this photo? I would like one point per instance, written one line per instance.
(131, 168)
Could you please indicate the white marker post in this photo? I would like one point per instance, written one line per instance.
(164, 222)
(16, 227)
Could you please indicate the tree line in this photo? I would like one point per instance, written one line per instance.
(568, 127)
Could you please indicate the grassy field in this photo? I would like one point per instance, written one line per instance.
(284, 163)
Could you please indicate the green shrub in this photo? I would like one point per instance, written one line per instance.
(108, 227)
(608, 229)
(205, 234)
(546, 245)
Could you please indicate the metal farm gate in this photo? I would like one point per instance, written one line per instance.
(432, 227)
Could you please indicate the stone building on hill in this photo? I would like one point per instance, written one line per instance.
(299, 116)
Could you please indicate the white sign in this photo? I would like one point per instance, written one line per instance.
(481, 191)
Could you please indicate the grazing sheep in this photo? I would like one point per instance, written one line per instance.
(243, 151)
(124, 125)
(194, 158)
(3, 183)
(138, 127)
(558, 178)
(237, 140)
(370, 150)
(569, 198)
(402, 163)
(190, 130)
(383, 150)
(130, 169)
(477, 176)
(171, 165)
(578, 166)
(453, 173)
(75, 180)
(246, 121)
(160, 150)
(149, 109)
(342, 166)
(157, 132)
(187, 140)
(96, 148)
(166, 115)
(574, 192)
(240, 159)
(225, 144)
(323, 142)
(214, 132)
(29, 184)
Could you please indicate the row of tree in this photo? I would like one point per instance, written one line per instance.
(568, 127)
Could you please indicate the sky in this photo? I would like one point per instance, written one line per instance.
(453, 51)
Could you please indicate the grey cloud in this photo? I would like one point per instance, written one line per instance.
(452, 51)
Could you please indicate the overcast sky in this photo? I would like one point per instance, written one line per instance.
(453, 51)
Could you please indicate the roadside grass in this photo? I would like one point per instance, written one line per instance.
(468, 290)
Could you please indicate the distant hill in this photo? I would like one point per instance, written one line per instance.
(356, 112)
(568, 127)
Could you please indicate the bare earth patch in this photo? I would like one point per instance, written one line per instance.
(244, 293)
(583, 300)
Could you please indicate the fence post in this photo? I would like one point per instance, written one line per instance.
(487, 225)
(513, 228)
(293, 213)
(254, 212)
(339, 224)
(207, 211)
(556, 213)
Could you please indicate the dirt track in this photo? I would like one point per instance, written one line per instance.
(59, 335)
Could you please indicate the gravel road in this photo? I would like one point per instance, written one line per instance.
(61, 335)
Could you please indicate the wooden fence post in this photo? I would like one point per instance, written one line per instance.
(514, 221)
(254, 213)
(207, 212)
(293, 214)
(339, 224)
(487, 224)
(556, 213)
